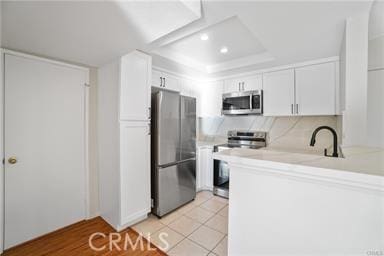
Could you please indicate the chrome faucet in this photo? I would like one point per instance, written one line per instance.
(313, 140)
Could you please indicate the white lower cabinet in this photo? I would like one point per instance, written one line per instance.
(135, 169)
(204, 173)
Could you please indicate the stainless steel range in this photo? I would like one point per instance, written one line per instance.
(236, 139)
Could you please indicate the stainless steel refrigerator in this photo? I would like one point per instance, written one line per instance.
(173, 151)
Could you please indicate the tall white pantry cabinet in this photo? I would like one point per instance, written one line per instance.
(124, 101)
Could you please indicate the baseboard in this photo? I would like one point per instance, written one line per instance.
(133, 219)
(93, 215)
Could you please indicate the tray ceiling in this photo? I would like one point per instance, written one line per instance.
(258, 34)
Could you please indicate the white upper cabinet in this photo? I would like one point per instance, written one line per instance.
(231, 85)
(171, 82)
(279, 93)
(248, 83)
(157, 79)
(189, 88)
(165, 81)
(316, 89)
(210, 100)
(135, 86)
(251, 83)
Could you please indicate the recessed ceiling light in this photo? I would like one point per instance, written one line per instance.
(224, 50)
(204, 37)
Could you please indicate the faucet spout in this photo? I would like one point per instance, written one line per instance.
(335, 145)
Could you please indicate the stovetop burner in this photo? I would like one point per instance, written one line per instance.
(244, 139)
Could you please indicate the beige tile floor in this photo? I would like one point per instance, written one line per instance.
(198, 228)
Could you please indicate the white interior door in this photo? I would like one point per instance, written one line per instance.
(45, 132)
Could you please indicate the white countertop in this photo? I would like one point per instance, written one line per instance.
(200, 143)
(362, 160)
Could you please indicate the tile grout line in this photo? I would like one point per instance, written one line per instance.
(200, 224)
(186, 237)
(218, 244)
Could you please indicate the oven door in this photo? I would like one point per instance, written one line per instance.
(237, 103)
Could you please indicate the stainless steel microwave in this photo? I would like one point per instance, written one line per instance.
(243, 103)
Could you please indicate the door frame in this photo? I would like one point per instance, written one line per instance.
(2, 125)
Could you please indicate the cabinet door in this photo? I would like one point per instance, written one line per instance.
(316, 89)
(232, 85)
(135, 179)
(135, 86)
(208, 168)
(186, 87)
(211, 99)
(171, 82)
(279, 93)
(204, 175)
(156, 79)
(252, 83)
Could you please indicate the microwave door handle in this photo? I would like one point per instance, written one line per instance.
(250, 102)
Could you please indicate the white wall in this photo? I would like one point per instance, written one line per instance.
(1, 144)
(355, 45)
(375, 107)
(1, 154)
(92, 145)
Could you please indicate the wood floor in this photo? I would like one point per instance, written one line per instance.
(73, 240)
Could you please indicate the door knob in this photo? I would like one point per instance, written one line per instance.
(12, 160)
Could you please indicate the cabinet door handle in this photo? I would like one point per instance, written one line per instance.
(161, 82)
(149, 128)
(164, 82)
(243, 86)
(149, 113)
(297, 108)
(292, 109)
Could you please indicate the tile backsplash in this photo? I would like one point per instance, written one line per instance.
(283, 132)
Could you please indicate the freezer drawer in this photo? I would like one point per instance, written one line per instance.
(176, 185)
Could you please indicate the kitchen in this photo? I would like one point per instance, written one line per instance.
(228, 128)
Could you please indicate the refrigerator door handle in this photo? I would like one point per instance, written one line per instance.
(175, 163)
